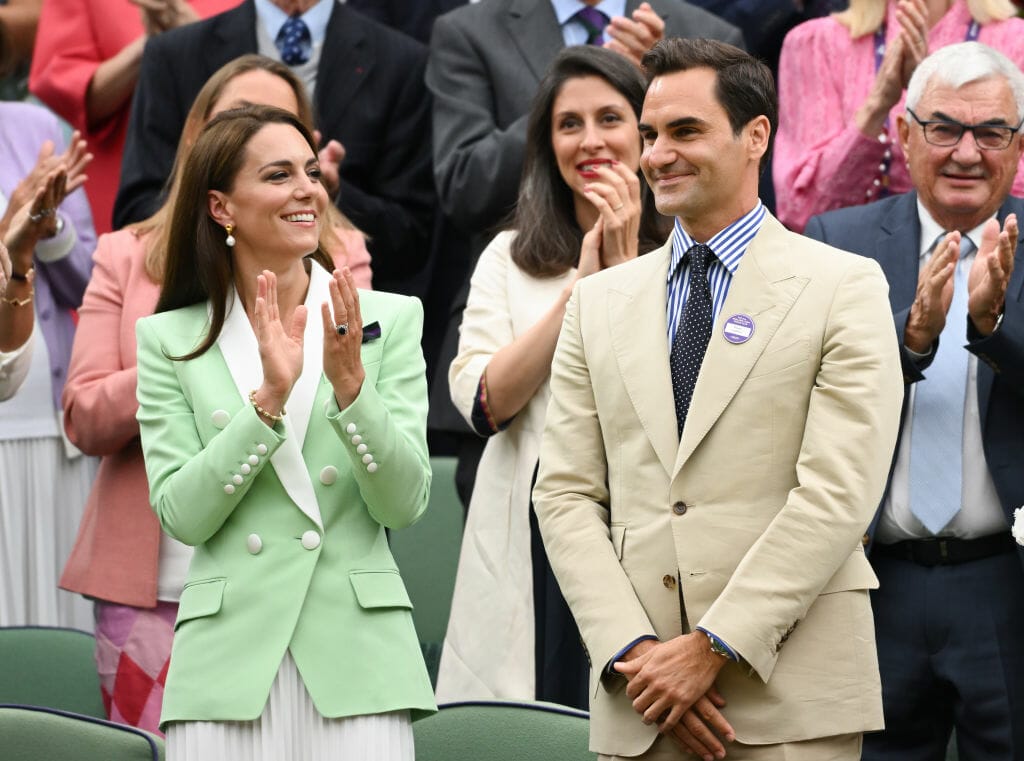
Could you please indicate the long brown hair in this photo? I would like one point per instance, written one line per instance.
(548, 237)
(199, 264)
(202, 107)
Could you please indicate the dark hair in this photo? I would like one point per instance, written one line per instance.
(548, 237)
(199, 263)
(744, 86)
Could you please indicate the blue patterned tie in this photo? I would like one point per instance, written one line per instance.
(936, 444)
(693, 333)
(595, 22)
(294, 41)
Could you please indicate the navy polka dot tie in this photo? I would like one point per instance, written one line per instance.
(693, 332)
(294, 41)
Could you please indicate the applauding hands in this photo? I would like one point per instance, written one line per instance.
(614, 237)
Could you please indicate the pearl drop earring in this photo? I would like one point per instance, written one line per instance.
(230, 240)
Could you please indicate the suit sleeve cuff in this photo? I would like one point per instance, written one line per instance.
(719, 645)
(608, 669)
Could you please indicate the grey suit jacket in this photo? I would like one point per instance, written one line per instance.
(486, 62)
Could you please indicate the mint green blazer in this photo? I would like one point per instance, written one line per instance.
(288, 522)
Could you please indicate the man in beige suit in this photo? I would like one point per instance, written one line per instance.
(702, 500)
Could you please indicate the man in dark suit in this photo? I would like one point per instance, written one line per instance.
(949, 613)
(486, 62)
(367, 86)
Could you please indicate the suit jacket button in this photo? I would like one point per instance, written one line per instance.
(679, 508)
(220, 418)
(310, 540)
(669, 581)
(328, 475)
(254, 544)
(371, 468)
(865, 539)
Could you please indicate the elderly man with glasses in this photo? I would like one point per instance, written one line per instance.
(949, 613)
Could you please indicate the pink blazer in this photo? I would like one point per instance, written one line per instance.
(115, 557)
(115, 554)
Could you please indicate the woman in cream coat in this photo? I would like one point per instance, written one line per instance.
(511, 634)
(294, 637)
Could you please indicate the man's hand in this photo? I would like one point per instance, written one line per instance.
(990, 274)
(934, 293)
(671, 684)
(632, 37)
(330, 157)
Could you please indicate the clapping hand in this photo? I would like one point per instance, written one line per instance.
(36, 219)
(280, 348)
(990, 274)
(330, 157)
(343, 338)
(927, 315)
(163, 15)
(616, 196)
(632, 37)
(74, 161)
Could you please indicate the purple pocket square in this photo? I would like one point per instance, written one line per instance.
(371, 332)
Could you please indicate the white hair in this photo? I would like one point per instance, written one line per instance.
(961, 64)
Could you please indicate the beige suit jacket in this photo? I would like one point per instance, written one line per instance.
(757, 513)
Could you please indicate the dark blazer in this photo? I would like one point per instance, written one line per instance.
(414, 17)
(369, 96)
(486, 62)
(889, 232)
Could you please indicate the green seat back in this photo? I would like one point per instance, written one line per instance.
(51, 667)
(427, 554)
(503, 731)
(43, 734)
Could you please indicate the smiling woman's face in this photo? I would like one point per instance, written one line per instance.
(592, 123)
(277, 200)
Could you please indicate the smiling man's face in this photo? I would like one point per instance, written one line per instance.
(962, 185)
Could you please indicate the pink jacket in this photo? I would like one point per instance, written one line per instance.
(115, 557)
(822, 161)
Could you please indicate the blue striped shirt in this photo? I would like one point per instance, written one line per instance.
(729, 246)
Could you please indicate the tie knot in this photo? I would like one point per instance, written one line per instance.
(966, 246)
(294, 41)
(595, 21)
(699, 257)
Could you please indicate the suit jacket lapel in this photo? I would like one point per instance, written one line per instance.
(636, 316)
(238, 345)
(534, 30)
(233, 35)
(346, 59)
(764, 288)
(897, 247)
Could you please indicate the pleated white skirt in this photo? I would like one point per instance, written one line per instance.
(291, 729)
(42, 497)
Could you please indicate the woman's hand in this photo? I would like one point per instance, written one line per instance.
(902, 55)
(280, 349)
(616, 196)
(35, 220)
(343, 361)
(5, 268)
(74, 161)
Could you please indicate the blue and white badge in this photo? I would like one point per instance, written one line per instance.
(738, 329)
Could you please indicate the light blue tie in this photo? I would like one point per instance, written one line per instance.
(936, 450)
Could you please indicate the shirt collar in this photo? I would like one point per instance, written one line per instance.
(316, 18)
(931, 230)
(565, 9)
(729, 244)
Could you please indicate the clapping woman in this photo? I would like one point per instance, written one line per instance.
(121, 559)
(282, 415)
(582, 208)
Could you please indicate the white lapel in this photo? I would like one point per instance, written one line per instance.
(237, 343)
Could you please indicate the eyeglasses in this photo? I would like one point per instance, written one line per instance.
(947, 133)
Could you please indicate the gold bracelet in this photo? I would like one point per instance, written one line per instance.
(265, 413)
(19, 302)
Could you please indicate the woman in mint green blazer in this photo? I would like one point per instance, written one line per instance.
(281, 447)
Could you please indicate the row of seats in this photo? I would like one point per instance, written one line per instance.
(50, 705)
